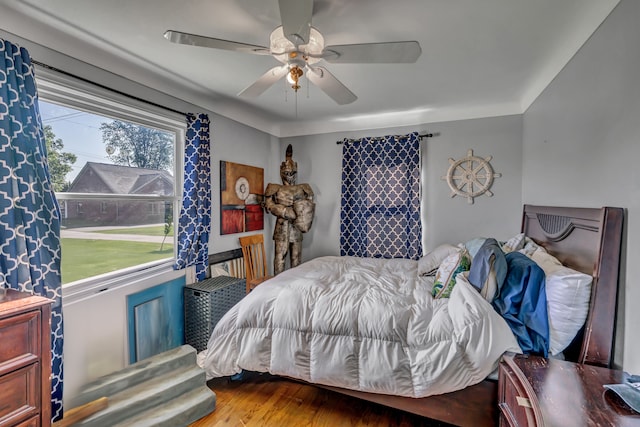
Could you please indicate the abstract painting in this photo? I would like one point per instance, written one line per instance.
(241, 195)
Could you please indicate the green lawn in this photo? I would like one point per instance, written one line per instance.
(86, 258)
(145, 231)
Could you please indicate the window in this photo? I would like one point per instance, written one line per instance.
(389, 198)
(154, 208)
(380, 206)
(113, 167)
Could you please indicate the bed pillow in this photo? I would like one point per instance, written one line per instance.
(547, 262)
(520, 243)
(452, 265)
(514, 244)
(429, 263)
(568, 297)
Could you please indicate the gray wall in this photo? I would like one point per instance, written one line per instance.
(581, 147)
(445, 219)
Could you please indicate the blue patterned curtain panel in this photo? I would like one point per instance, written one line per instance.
(194, 224)
(380, 206)
(29, 212)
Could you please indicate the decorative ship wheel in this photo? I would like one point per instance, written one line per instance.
(470, 177)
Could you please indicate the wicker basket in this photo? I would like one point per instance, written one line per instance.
(204, 305)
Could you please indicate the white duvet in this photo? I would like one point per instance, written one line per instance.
(364, 324)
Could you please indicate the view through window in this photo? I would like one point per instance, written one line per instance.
(114, 181)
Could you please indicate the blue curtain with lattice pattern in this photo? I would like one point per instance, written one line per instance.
(29, 212)
(194, 223)
(380, 204)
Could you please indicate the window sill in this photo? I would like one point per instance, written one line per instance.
(160, 271)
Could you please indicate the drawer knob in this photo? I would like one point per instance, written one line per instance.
(523, 401)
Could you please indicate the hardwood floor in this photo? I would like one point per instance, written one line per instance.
(265, 400)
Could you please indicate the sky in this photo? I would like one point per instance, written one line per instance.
(79, 131)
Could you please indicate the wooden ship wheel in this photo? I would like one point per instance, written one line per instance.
(470, 177)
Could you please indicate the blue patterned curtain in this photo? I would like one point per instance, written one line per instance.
(29, 212)
(380, 206)
(194, 224)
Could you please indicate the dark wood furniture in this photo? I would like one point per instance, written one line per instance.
(585, 239)
(25, 360)
(535, 391)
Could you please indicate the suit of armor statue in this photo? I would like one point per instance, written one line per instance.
(293, 206)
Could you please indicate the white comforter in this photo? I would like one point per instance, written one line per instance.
(364, 324)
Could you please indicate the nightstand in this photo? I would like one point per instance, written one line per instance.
(534, 391)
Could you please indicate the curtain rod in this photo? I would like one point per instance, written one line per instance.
(66, 73)
(380, 138)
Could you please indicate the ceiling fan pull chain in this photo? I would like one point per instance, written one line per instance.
(286, 92)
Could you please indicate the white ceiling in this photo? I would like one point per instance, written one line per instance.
(479, 58)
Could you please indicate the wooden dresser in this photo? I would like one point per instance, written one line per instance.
(534, 391)
(25, 360)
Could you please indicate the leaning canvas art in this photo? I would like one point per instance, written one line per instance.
(241, 196)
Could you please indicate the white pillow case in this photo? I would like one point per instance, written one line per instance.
(514, 244)
(456, 263)
(429, 263)
(568, 296)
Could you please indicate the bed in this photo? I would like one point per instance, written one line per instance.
(587, 240)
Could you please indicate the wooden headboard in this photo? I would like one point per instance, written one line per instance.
(588, 240)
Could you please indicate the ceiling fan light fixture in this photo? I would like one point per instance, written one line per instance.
(293, 77)
(281, 46)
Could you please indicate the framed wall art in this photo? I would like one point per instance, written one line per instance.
(241, 195)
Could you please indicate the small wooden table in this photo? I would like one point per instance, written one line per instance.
(534, 391)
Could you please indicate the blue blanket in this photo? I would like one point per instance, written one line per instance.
(522, 302)
(488, 258)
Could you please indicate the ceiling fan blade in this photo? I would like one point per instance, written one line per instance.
(296, 20)
(264, 82)
(195, 40)
(373, 53)
(326, 81)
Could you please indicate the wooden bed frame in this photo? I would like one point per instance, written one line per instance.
(585, 239)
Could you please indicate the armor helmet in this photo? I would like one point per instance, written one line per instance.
(289, 168)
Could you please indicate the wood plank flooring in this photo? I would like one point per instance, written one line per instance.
(264, 400)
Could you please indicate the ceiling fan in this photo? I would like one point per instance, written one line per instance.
(299, 47)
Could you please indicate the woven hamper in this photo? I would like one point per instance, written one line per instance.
(204, 305)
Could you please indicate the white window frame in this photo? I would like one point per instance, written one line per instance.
(61, 89)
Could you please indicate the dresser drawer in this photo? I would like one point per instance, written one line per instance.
(20, 337)
(19, 394)
(516, 407)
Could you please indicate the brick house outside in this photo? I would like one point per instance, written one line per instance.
(113, 179)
